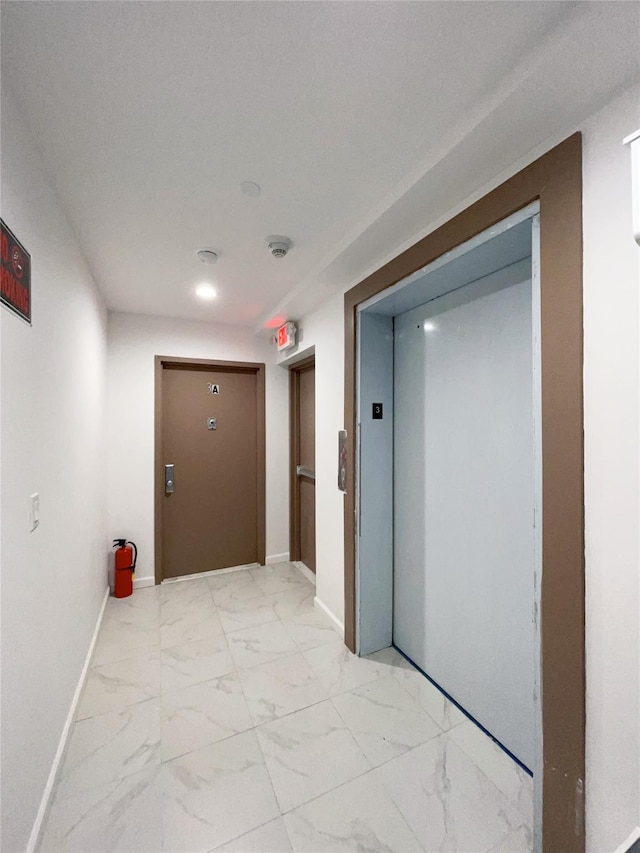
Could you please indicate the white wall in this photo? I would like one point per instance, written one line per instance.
(53, 579)
(611, 322)
(611, 287)
(133, 342)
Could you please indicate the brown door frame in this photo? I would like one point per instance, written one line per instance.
(228, 367)
(294, 449)
(555, 180)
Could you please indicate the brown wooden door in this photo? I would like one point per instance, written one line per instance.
(303, 520)
(211, 520)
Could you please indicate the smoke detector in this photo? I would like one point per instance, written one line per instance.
(279, 246)
(207, 256)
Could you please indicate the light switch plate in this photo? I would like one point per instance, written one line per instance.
(34, 511)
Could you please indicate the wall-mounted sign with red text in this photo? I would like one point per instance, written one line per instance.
(15, 281)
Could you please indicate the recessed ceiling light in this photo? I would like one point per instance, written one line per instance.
(207, 256)
(206, 291)
(250, 188)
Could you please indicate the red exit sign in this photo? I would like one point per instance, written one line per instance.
(286, 336)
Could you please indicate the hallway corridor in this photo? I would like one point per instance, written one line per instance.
(224, 713)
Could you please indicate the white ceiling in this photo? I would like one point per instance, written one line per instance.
(359, 120)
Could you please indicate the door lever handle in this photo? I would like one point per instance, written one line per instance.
(168, 479)
(304, 472)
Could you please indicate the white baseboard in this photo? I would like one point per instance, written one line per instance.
(138, 583)
(309, 575)
(322, 606)
(626, 845)
(64, 737)
(277, 558)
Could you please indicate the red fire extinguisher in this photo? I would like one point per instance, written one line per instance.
(126, 556)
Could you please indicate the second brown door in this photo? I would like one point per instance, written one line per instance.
(303, 516)
(211, 497)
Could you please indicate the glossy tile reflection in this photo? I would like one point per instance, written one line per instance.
(224, 713)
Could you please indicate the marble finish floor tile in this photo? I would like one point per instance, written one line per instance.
(141, 606)
(384, 719)
(503, 771)
(339, 671)
(430, 698)
(359, 816)
(270, 838)
(119, 639)
(520, 841)
(236, 614)
(121, 683)
(389, 660)
(183, 624)
(216, 794)
(259, 644)
(448, 802)
(297, 750)
(279, 687)
(203, 714)
(186, 592)
(164, 755)
(311, 630)
(237, 586)
(296, 602)
(279, 577)
(123, 816)
(108, 747)
(192, 663)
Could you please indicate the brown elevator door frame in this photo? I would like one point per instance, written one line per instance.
(302, 538)
(215, 406)
(555, 179)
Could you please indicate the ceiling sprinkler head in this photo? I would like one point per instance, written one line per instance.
(279, 246)
(250, 188)
(207, 256)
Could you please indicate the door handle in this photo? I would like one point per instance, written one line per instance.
(168, 479)
(304, 472)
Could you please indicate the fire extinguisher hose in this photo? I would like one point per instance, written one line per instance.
(135, 555)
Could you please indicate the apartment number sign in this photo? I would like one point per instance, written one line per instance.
(15, 274)
(213, 389)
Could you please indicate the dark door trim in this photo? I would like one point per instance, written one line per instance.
(294, 449)
(556, 181)
(163, 362)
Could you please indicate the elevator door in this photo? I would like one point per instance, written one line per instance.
(464, 503)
